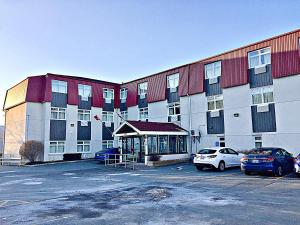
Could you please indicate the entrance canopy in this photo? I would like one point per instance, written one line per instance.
(139, 128)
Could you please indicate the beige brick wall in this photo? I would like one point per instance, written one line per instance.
(15, 121)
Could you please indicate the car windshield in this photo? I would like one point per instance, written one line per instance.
(260, 152)
(207, 151)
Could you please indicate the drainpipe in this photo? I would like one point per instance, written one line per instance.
(190, 122)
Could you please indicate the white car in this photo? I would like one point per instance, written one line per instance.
(217, 157)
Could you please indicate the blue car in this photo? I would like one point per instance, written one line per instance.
(276, 161)
(108, 153)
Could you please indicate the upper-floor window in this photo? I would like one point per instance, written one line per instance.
(174, 111)
(124, 115)
(123, 95)
(85, 91)
(259, 57)
(142, 89)
(59, 86)
(173, 82)
(107, 116)
(58, 113)
(262, 95)
(84, 115)
(213, 70)
(143, 113)
(215, 102)
(108, 95)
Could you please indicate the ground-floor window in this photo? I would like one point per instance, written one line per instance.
(107, 144)
(83, 146)
(258, 141)
(167, 144)
(152, 144)
(57, 147)
(222, 141)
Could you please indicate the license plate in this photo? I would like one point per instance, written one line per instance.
(255, 161)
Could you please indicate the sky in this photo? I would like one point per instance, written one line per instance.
(120, 40)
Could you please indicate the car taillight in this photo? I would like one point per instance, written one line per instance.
(244, 159)
(212, 156)
(269, 159)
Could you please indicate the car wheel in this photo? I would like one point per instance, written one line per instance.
(199, 167)
(279, 171)
(221, 166)
(247, 172)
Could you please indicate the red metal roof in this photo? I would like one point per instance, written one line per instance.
(155, 126)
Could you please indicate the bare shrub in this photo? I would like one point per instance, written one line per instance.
(31, 150)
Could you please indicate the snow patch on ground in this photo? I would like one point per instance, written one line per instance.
(32, 183)
(68, 174)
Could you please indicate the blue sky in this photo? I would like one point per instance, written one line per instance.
(120, 40)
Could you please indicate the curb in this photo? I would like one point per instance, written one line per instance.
(59, 162)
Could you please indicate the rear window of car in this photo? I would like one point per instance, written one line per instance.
(260, 152)
(207, 151)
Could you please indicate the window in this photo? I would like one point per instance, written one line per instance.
(83, 146)
(58, 113)
(107, 144)
(143, 114)
(182, 144)
(259, 57)
(258, 141)
(85, 91)
(173, 82)
(123, 95)
(84, 115)
(215, 102)
(124, 115)
(108, 95)
(231, 151)
(262, 96)
(107, 116)
(59, 86)
(152, 144)
(222, 141)
(213, 70)
(142, 89)
(163, 144)
(174, 111)
(57, 147)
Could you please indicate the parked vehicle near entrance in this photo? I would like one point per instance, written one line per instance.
(276, 161)
(109, 153)
(297, 165)
(218, 157)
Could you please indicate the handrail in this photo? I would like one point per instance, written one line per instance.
(120, 159)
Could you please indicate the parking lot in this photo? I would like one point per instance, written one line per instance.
(86, 192)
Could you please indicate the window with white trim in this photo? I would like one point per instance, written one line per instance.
(142, 89)
(123, 95)
(174, 111)
(213, 70)
(107, 144)
(258, 141)
(83, 146)
(262, 95)
(84, 115)
(124, 115)
(59, 86)
(108, 95)
(143, 114)
(85, 91)
(57, 147)
(58, 113)
(259, 57)
(215, 102)
(173, 82)
(107, 116)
